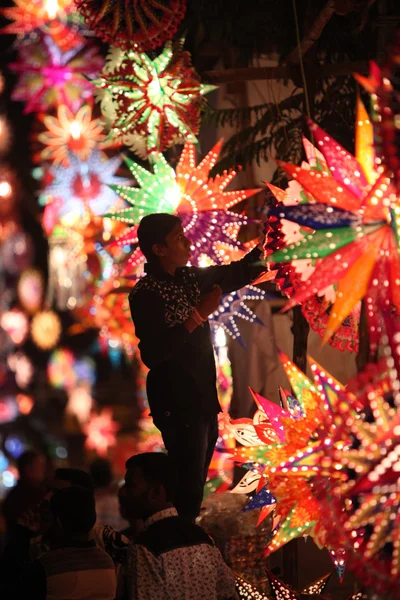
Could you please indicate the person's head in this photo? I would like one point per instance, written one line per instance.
(65, 477)
(101, 472)
(150, 482)
(31, 466)
(163, 241)
(74, 512)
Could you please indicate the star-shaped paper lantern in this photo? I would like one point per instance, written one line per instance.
(361, 505)
(101, 432)
(289, 276)
(201, 203)
(356, 236)
(158, 100)
(66, 133)
(282, 591)
(232, 307)
(84, 185)
(283, 469)
(49, 77)
(141, 25)
(383, 86)
(55, 18)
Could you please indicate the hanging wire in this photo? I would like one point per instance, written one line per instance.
(303, 75)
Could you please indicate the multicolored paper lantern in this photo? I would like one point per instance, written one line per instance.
(77, 134)
(49, 77)
(361, 501)
(84, 186)
(141, 25)
(56, 18)
(158, 99)
(201, 203)
(356, 236)
(101, 432)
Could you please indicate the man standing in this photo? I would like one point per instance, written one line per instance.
(170, 309)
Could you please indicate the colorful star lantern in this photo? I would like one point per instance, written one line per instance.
(56, 18)
(356, 237)
(83, 186)
(282, 591)
(109, 312)
(141, 25)
(234, 306)
(361, 504)
(384, 88)
(282, 470)
(101, 432)
(77, 134)
(289, 277)
(158, 100)
(201, 203)
(49, 77)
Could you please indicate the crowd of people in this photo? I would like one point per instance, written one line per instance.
(57, 546)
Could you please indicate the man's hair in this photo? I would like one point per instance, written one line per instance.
(156, 467)
(75, 477)
(101, 472)
(74, 507)
(153, 229)
(26, 459)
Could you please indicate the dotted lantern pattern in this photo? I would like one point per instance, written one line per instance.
(201, 203)
(356, 241)
(141, 25)
(152, 104)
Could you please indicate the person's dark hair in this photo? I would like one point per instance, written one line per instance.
(158, 468)
(153, 229)
(26, 459)
(101, 472)
(75, 477)
(74, 507)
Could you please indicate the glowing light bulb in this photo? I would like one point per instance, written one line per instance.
(52, 8)
(5, 189)
(75, 130)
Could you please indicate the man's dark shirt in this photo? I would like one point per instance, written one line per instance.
(182, 377)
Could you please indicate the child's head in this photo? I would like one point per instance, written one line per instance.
(162, 240)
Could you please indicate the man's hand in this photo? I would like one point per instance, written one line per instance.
(209, 302)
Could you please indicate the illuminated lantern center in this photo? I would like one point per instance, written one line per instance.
(87, 186)
(52, 8)
(5, 189)
(56, 75)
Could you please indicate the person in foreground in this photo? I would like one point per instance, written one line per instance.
(76, 568)
(170, 307)
(172, 557)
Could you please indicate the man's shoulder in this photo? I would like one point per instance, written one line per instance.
(147, 283)
(172, 533)
(72, 559)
